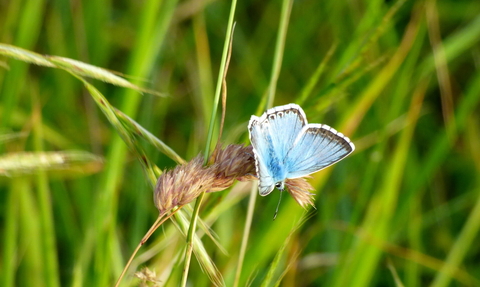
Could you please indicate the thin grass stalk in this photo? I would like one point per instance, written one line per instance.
(455, 45)
(9, 239)
(204, 64)
(462, 244)
(364, 257)
(26, 35)
(384, 24)
(129, 140)
(129, 262)
(78, 67)
(396, 278)
(153, 26)
(137, 129)
(48, 238)
(267, 281)
(220, 79)
(190, 238)
(333, 92)
(267, 243)
(221, 75)
(224, 85)
(94, 230)
(97, 14)
(290, 264)
(465, 108)
(183, 222)
(158, 222)
(171, 236)
(56, 162)
(109, 111)
(438, 51)
(245, 234)
(54, 137)
(410, 255)
(279, 48)
(395, 174)
(357, 48)
(412, 271)
(353, 118)
(314, 79)
(31, 227)
(178, 263)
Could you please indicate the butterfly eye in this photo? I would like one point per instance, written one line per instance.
(279, 185)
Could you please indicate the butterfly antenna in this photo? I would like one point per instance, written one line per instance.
(278, 204)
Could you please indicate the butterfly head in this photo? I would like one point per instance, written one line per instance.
(267, 189)
(280, 185)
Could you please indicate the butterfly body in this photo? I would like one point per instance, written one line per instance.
(286, 146)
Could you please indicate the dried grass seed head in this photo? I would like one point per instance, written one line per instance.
(234, 162)
(300, 189)
(182, 185)
(186, 182)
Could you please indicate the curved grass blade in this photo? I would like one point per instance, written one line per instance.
(59, 163)
(74, 66)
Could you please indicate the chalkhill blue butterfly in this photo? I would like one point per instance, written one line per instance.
(286, 146)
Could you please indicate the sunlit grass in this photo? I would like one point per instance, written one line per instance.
(82, 147)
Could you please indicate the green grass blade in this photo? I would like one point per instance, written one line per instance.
(48, 238)
(364, 257)
(56, 164)
(466, 237)
(9, 240)
(193, 223)
(137, 129)
(279, 48)
(74, 66)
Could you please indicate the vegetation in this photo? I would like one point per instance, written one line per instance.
(81, 147)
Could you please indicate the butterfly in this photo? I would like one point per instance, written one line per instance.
(286, 146)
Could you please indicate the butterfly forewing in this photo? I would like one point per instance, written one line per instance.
(264, 155)
(316, 147)
(283, 124)
(272, 135)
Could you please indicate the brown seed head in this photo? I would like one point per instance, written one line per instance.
(300, 189)
(182, 185)
(234, 162)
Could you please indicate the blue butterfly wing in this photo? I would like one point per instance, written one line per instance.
(316, 147)
(283, 124)
(272, 135)
(264, 155)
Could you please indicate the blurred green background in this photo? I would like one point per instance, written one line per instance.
(400, 78)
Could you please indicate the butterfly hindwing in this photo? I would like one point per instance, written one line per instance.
(316, 147)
